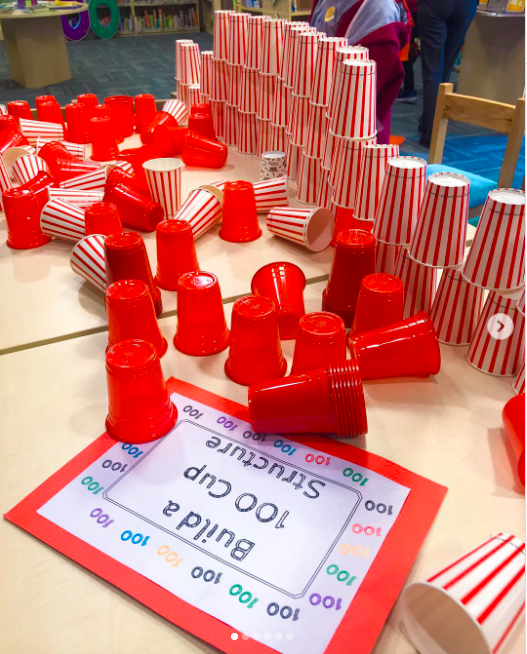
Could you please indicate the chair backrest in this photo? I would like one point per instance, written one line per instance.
(498, 116)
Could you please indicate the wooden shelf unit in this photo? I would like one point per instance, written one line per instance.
(282, 9)
(145, 6)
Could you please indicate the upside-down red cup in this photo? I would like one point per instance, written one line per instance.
(309, 175)
(163, 133)
(130, 314)
(123, 105)
(354, 258)
(203, 152)
(90, 100)
(126, 258)
(8, 124)
(419, 284)
(201, 123)
(13, 140)
(33, 129)
(255, 353)
(284, 284)
(135, 209)
(19, 109)
(514, 422)
(205, 80)
(380, 303)
(63, 170)
(102, 218)
(145, 110)
(202, 209)
(41, 99)
(201, 329)
(88, 260)
(102, 137)
(496, 259)
(176, 253)
(119, 176)
(164, 181)
(111, 112)
(355, 105)
(329, 400)
(374, 159)
(456, 309)
(139, 407)
(497, 346)
(22, 212)
(324, 65)
(77, 117)
(50, 112)
(201, 108)
(54, 151)
(320, 342)
(408, 348)
(310, 227)
(247, 134)
(400, 200)
(27, 168)
(39, 186)
(240, 219)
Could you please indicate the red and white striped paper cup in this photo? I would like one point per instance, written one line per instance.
(263, 136)
(342, 53)
(496, 259)
(312, 228)
(164, 181)
(230, 132)
(520, 304)
(355, 104)
(5, 180)
(518, 385)
(497, 346)
(372, 169)
(281, 108)
(218, 117)
(190, 63)
(77, 197)
(238, 24)
(347, 166)
(221, 35)
(95, 181)
(440, 234)
(309, 175)
(285, 59)
(205, 80)
(291, 64)
(266, 96)
(294, 153)
(254, 41)
(78, 150)
(3, 110)
(88, 260)
(249, 91)
(324, 66)
(178, 62)
(278, 139)
(316, 131)
(304, 66)
(27, 167)
(272, 43)
(325, 190)
(331, 147)
(178, 109)
(63, 220)
(193, 95)
(456, 309)
(299, 120)
(202, 209)
(10, 155)
(220, 80)
(270, 193)
(182, 93)
(32, 129)
(471, 605)
(247, 133)
(400, 201)
(234, 90)
(419, 281)
(386, 257)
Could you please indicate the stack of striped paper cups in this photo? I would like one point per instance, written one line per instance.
(270, 58)
(205, 80)
(188, 70)
(220, 71)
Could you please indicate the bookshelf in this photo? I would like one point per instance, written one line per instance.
(281, 9)
(157, 17)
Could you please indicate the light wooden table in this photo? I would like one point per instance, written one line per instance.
(36, 46)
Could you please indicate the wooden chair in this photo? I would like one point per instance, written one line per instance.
(498, 116)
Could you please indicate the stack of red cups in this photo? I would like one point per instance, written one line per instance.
(269, 65)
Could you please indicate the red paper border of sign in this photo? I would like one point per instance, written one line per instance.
(372, 603)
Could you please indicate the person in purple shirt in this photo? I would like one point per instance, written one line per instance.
(382, 26)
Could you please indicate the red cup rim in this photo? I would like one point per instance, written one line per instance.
(174, 228)
(269, 268)
(198, 281)
(118, 357)
(129, 291)
(356, 239)
(383, 284)
(320, 325)
(254, 308)
(124, 242)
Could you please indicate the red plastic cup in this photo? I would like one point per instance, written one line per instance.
(19, 109)
(39, 186)
(103, 141)
(344, 219)
(202, 124)
(354, 258)
(135, 210)
(135, 182)
(255, 353)
(50, 112)
(380, 303)
(90, 100)
(64, 169)
(284, 284)
(321, 341)
(123, 107)
(514, 422)
(77, 117)
(164, 134)
(106, 111)
(327, 401)
(408, 348)
(54, 151)
(8, 124)
(130, 313)
(126, 258)
(176, 253)
(240, 218)
(145, 110)
(41, 99)
(139, 408)
(201, 328)
(10, 138)
(22, 212)
(202, 152)
(201, 108)
(102, 218)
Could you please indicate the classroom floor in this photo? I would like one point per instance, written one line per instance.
(145, 64)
